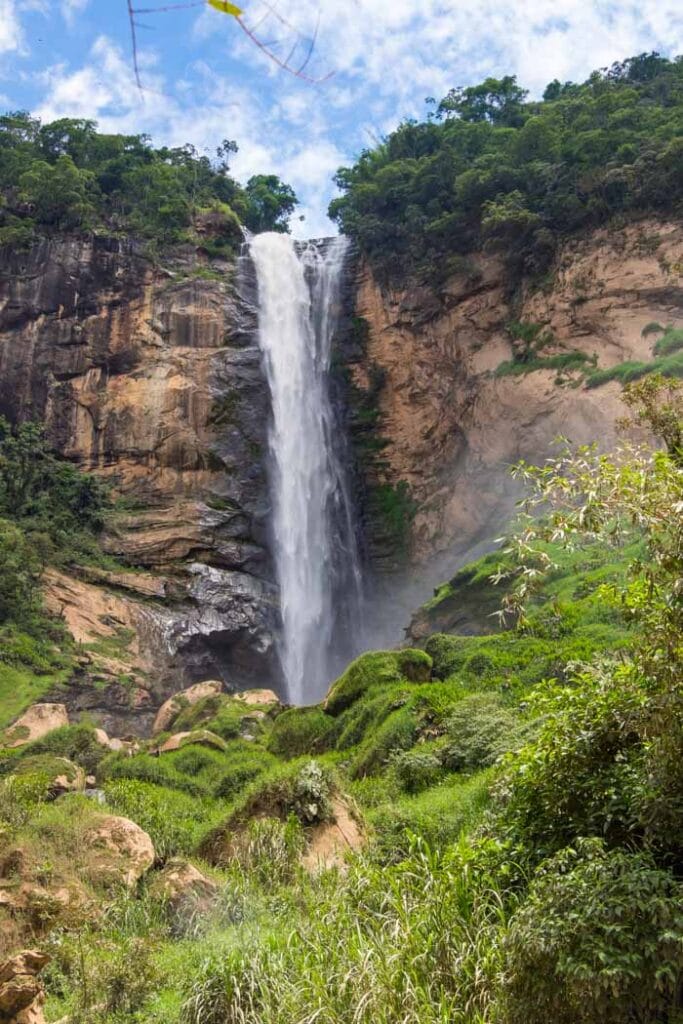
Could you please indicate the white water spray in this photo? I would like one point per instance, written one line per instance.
(315, 546)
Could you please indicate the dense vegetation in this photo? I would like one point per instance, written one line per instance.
(50, 514)
(519, 794)
(68, 176)
(490, 167)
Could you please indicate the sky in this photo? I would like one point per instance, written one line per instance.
(204, 80)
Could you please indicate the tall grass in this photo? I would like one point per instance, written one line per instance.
(417, 943)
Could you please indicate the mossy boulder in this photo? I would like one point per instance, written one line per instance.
(300, 731)
(200, 737)
(60, 774)
(377, 667)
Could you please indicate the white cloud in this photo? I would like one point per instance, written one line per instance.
(11, 36)
(71, 10)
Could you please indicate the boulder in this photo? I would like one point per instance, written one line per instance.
(122, 851)
(256, 697)
(330, 842)
(171, 708)
(21, 992)
(38, 721)
(202, 737)
(184, 887)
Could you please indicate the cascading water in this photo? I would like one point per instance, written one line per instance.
(316, 552)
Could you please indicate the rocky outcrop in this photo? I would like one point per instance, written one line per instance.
(184, 888)
(171, 708)
(38, 721)
(148, 377)
(452, 427)
(21, 991)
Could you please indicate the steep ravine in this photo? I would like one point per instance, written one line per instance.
(150, 377)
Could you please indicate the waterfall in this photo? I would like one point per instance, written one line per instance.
(315, 548)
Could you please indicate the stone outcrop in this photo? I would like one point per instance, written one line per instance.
(171, 708)
(21, 991)
(453, 427)
(200, 737)
(258, 698)
(184, 888)
(38, 721)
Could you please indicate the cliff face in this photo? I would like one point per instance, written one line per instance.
(149, 378)
(453, 427)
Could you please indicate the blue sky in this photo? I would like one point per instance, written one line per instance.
(205, 81)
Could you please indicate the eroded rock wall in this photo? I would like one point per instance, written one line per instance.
(150, 378)
(453, 428)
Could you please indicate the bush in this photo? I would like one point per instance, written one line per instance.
(599, 938)
(415, 770)
(480, 729)
(75, 742)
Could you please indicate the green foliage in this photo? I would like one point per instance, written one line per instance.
(563, 361)
(270, 203)
(480, 729)
(75, 742)
(377, 667)
(600, 937)
(491, 166)
(175, 822)
(300, 731)
(670, 341)
(68, 176)
(392, 509)
(632, 370)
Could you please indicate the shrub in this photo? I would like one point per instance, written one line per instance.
(75, 742)
(480, 729)
(599, 938)
(414, 770)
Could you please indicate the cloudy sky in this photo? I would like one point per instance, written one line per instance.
(204, 80)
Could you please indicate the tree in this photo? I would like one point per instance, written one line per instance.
(270, 204)
(498, 100)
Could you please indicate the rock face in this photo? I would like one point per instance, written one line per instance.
(21, 992)
(452, 427)
(147, 377)
(150, 377)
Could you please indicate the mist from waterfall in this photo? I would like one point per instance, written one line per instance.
(315, 546)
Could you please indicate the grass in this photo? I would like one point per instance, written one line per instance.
(670, 365)
(20, 687)
(564, 361)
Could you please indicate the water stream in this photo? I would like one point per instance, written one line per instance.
(315, 547)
